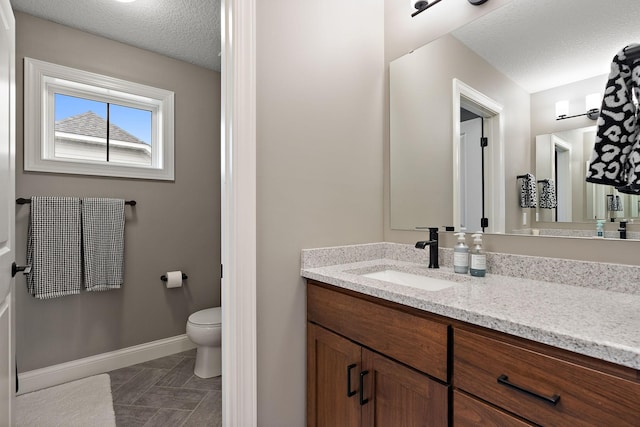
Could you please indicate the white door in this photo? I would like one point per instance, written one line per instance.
(471, 200)
(7, 210)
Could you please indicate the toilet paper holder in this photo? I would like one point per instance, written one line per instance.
(164, 277)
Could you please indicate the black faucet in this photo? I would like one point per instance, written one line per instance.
(433, 247)
(623, 229)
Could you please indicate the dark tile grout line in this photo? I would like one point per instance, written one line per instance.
(181, 359)
(196, 407)
(139, 395)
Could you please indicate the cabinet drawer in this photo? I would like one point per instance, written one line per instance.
(529, 381)
(412, 340)
(470, 412)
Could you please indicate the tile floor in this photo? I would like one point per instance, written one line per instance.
(165, 392)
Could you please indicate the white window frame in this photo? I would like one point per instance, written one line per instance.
(43, 79)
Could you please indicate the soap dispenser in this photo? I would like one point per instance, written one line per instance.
(478, 257)
(461, 255)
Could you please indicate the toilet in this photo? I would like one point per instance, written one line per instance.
(204, 329)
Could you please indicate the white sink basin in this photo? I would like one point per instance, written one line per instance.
(414, 280)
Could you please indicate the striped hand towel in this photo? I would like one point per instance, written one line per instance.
(53, 247)
(103, 243)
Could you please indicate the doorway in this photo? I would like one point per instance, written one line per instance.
(492, 190)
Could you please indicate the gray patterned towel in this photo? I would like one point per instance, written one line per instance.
(528, 191)
(614, 203)
(53, 247)
(548, 198)
(103, 243)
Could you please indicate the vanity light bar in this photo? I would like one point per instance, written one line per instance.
(422, 5)
(592, 114)
(591, 103)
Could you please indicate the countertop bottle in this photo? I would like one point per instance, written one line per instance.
(478, 257)
(461, 255)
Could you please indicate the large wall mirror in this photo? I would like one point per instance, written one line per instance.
(525, 57)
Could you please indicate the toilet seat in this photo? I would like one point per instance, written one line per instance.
(207, 317)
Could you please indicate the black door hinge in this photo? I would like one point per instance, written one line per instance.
(484, 222)
(484, 141)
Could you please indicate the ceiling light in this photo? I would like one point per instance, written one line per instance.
(126, 1)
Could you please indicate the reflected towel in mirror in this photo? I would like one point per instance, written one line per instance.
(528, 191)
(614, 203)
(548, 199)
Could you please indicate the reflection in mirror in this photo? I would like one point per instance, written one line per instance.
(563, 158)
(424, 111)
(527, 56)
(478, 168)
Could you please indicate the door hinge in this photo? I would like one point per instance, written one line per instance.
(484, 222)
(484, 141)
(221, 274)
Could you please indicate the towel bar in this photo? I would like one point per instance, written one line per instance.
(23, 201)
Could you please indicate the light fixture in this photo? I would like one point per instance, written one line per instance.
(592, 104)
(422, 5)
(562, 110)
(125, 1)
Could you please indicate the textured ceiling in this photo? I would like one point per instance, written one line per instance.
(542, 44)
(188, 30)
(537, 43)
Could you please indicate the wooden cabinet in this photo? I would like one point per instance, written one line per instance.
(349, 381)
(401, 396)
(471, 412)
(333, 368)
(372, 362)
(542, 388)
(406, 335)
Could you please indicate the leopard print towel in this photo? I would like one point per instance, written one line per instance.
(616, 156)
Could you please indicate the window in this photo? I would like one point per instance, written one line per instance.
(85, 123)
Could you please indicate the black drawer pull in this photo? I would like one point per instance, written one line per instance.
(553, 400)
(349, 391)
(362, 399)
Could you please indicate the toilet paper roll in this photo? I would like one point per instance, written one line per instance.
(174, 279)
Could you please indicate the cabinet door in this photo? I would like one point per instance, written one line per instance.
(333, 366)
(400, 396)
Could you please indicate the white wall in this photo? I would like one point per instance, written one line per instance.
(319, 168)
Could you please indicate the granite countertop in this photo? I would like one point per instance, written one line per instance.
(595, 322)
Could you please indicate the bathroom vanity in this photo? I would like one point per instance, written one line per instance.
(495, 351)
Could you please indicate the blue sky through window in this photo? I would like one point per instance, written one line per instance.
(135, 121)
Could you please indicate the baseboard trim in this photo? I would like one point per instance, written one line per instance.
(100, 363)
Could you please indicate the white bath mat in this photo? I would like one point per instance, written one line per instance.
(82, 403)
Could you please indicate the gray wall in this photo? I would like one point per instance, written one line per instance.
(319, 168)
(176, 225)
